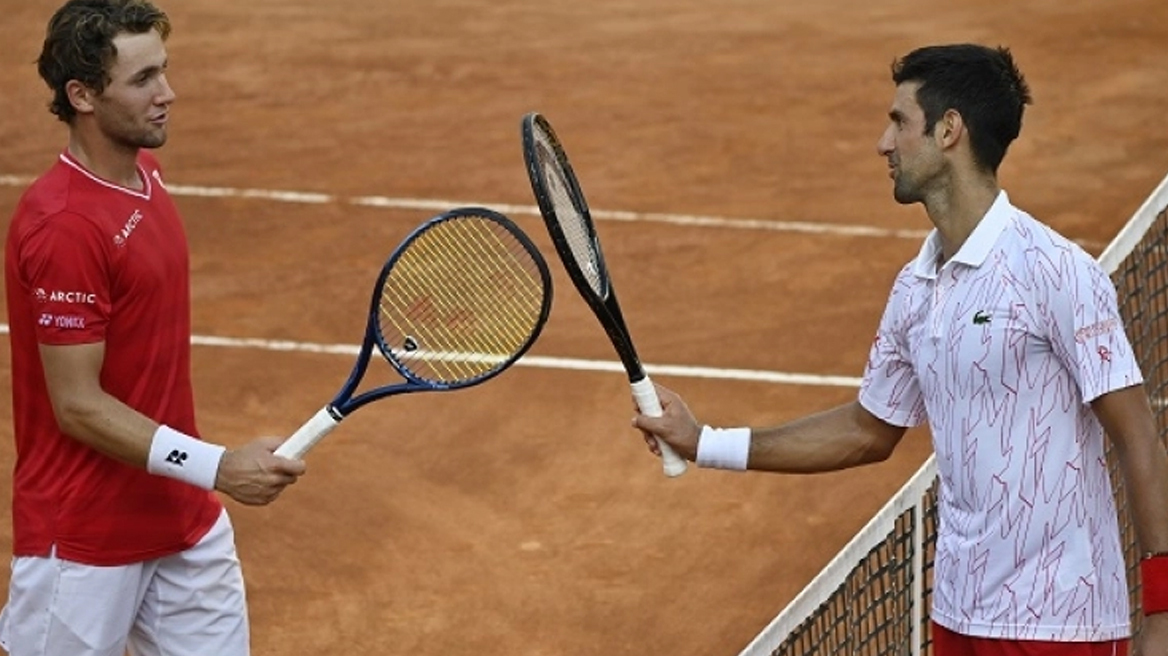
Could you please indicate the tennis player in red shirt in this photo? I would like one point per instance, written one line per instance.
(120, 541)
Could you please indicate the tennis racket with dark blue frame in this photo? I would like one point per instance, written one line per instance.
(573, 233)
(459, 301)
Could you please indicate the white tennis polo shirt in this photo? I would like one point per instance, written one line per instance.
(1001, 349)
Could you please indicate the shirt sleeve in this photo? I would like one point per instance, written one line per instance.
(890, 389)
(66, 270)
(1079, 310)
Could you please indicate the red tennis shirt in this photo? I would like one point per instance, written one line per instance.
(89, 261)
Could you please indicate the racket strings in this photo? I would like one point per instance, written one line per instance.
(447, 326)
(481, 287)
(506, 262)
(489, 273)
(461, 301)
(435, 347)
(568, 214)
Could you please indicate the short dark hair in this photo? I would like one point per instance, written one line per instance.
(982, 84)
(79, 44)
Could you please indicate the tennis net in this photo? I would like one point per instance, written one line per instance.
(872, 598)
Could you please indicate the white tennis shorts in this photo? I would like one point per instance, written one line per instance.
(188, 604)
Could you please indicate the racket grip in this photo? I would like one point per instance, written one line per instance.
(321, 424)
(646, 396)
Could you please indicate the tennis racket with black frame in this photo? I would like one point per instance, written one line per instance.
(459, 301)
(566, 215)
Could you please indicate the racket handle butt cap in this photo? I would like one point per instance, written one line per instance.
(672, 463)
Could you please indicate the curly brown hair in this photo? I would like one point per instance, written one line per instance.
(79, 44)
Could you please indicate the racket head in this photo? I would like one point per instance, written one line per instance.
(569, 223)
(462, 298)
(573, 233)
(563, 207)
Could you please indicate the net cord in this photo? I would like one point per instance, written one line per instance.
(1131, 234)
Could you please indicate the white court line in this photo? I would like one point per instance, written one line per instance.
(539, 361)
(438, 205)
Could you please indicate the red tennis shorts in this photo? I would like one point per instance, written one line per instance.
(948, 643)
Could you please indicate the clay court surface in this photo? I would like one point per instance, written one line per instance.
(525, 517)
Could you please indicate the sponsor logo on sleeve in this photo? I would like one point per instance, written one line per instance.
(72, 297)
(1096, 330)
(62, 321)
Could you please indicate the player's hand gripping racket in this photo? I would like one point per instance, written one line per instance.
(459, 301)
(561, 202)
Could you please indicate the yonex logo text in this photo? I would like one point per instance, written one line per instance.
(66, 322)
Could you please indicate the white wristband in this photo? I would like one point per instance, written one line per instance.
(724, 448)
(180, 456)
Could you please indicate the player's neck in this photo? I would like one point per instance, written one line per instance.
(107, 160)
(959, 208)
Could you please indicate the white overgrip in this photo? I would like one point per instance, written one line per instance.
(646, 397)
(321, 424)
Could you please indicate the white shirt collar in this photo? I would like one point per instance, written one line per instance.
(977, 246)
(145, 193)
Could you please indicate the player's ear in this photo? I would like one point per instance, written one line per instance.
(949, 129)
(80, 96)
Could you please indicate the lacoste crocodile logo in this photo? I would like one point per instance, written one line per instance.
(981, 317)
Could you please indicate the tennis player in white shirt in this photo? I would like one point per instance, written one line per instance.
(1006, 338)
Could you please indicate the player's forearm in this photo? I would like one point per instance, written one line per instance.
(1127, 418)
(1144, 466)
(840, 438)
(107, 425)
(86, 412)
(118, 431)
